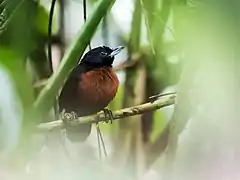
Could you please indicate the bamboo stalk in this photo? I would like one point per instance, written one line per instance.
(123, 113)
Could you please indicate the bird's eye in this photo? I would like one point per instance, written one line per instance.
(103, 54)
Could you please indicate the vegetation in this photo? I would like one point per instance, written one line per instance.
(187, 46)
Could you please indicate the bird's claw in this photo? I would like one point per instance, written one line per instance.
(108, 113)
(67, 117)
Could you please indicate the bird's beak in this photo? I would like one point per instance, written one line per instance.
(116, 51)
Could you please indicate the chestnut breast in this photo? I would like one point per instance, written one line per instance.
(98, 86)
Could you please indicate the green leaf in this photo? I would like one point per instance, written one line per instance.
(19, 25)
(15, 67)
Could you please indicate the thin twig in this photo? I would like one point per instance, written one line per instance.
(163, 94)
(50, 21)
(100, 117)
(99, 144)
(102, 141)
(135, 58)
(49, 45)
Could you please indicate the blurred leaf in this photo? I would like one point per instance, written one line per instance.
(156, 64)
(10, 115)
(26, 23)
(15, 67)
(92, 1)
(156, 15)
(3, 15)
(158, 125)
(150, 7)
(135, 34)
(20, 25)
(134, 91)
(171, 48)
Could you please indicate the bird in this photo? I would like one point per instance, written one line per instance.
(89, 88)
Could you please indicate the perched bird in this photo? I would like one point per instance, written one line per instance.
(90, 87)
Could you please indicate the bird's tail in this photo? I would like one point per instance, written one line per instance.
(78, 133)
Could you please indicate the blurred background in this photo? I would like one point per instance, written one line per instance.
(186, 46)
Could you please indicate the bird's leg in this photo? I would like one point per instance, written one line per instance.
(74, 115)
(108, 113)
(67, 117)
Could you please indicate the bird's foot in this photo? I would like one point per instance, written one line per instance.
(67, 117)
(108, 113)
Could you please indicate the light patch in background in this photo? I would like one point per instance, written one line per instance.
(122, 14)
(10, 114)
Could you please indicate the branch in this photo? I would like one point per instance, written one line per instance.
(132, 111)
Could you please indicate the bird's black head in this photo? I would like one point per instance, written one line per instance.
(101, 56)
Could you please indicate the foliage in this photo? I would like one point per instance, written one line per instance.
(193, 44)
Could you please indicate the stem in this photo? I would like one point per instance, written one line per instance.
(100, 117)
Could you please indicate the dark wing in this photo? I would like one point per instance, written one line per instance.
(69, 100)
(69, 95)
